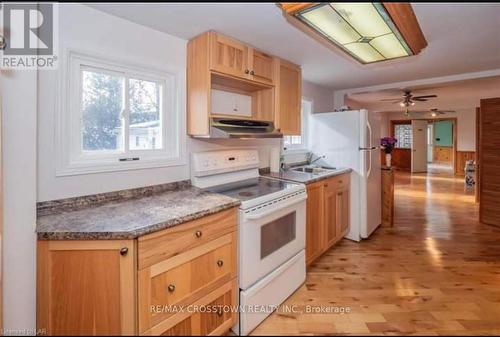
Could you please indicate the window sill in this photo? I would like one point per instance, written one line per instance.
(80, 169)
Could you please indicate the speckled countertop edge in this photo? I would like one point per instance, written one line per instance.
(130, 215)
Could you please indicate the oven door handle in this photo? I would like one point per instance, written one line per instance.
(266, 213)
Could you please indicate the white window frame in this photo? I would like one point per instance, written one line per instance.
(304, 125)
(72, 160)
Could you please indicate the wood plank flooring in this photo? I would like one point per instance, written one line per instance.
(437, 272)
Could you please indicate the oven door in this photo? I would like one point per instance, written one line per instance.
(270, 235)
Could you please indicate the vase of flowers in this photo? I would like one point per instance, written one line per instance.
(388, 144)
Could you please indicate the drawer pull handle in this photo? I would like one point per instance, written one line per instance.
(123, 251)
(220, 263)
(171, 288)
(198, 234)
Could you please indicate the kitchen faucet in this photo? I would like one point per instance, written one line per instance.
(310, 162)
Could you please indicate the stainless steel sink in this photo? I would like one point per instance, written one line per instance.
(314, 169)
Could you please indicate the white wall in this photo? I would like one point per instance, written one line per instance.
(466, 122)
(19, 93)
(93, 31)
(321, 97)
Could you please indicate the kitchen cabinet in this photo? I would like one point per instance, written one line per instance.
(228, 56)
(288, 98)
(328, 214)
(314, 219)
(139, 286)
(220, 63)
(261, 66)
(86, 287)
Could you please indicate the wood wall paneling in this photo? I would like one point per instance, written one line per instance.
(489, 210)
(442, 154)
(462, 157)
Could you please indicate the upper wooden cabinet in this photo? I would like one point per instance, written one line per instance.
(228, 56)
(288, 98)
(218, 62)
(261, 66)
(234, 58)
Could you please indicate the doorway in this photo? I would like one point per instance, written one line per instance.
(436, 145)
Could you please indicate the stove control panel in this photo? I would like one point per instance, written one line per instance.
(214, 162)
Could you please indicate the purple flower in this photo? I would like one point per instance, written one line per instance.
(388, 143)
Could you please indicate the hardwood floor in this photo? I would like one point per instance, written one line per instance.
(437, 272)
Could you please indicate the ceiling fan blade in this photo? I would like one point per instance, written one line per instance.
(425, 96)
(419, 99)
(390, 99)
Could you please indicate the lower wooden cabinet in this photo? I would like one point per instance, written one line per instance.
(164, 283)
(213, 314)
(86, 287)
(328, 211)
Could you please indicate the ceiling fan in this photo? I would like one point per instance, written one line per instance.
(435, 112)
(408, 99)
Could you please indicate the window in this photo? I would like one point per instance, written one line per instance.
(117, 117)
(403, 133)
(299, 142)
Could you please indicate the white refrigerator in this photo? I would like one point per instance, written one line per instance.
(352, 139)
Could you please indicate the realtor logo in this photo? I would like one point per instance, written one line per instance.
(28, 36)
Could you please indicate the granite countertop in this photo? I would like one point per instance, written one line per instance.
(127, 217)
(305, 177)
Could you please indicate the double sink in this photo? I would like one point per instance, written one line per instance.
(318, 170)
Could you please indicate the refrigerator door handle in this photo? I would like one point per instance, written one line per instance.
(371, 147)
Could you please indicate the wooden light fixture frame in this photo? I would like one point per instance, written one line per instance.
(401, 14)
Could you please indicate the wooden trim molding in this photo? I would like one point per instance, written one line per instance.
(294, 7)
(405, 20)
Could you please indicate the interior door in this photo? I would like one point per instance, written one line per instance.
(419, 146)
(489, 157)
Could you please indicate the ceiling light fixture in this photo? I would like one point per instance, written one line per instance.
(369, 32)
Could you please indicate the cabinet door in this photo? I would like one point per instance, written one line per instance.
(213, 315)
(228, 56)
(332, 207)
(86, 287)
(178, 280)
(288, 98)
(343, 211)
(314, 223)
(261, 66)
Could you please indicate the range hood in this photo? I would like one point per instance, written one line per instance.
(242, 128)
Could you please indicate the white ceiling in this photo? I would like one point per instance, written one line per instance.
(462, 38)
(456, 95)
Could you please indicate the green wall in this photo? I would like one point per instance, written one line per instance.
(443, 130)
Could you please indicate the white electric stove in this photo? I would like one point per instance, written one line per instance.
(271, 229)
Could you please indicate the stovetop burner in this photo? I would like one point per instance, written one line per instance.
(252, 188)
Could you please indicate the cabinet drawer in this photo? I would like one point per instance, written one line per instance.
(184, 278)
(213, 314)
(162, 245)
(341, 181)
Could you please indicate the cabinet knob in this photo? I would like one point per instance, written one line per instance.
(247, 71)
(340, 181)
(123, 251)
(220, 263)
(171, 288)
(325, 185)
(198, 234)
(252, 72)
